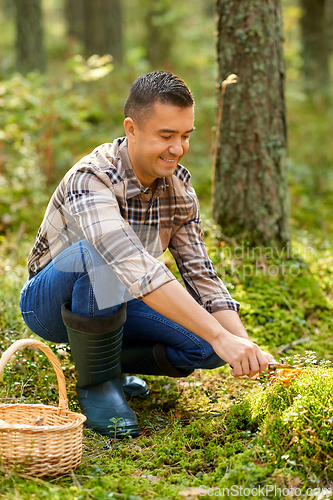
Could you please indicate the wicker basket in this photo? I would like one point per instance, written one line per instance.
(36, 439)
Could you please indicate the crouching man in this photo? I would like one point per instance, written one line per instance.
(96, 280)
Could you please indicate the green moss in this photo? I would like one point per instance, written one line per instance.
(299, 419)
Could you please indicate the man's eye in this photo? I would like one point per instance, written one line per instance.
(166, 137)
(186, 137)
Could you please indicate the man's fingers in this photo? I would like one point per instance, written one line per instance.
(269, 357)
(246, 358)
(236, 370)
(250, 365)
(263, 362)
(254, 369)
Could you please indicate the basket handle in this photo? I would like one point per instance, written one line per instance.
(63, 402)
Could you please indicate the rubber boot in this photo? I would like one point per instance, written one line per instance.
(96, 348)
(134, 387)
(149, 358)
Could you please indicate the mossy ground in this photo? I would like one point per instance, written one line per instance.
(210, 429)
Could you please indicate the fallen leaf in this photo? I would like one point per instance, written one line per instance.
(191, 493)
(259, 462)
(294, 482)
(151, 479)
(137, 448)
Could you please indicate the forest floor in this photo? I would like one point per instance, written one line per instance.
(204, 433)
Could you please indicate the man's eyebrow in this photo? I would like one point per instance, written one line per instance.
(170, 131)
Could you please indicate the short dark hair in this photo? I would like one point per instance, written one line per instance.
(152, 87)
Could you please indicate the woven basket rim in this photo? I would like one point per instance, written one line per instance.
(75, 419)
(42, 405)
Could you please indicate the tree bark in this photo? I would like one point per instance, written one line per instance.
(103, 28)
(30, 53)
(74, 18)
(250, 198)
(315, 46)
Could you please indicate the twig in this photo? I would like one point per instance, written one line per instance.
(286, 347)
(230, 79)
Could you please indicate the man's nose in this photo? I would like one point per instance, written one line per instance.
(176, 148)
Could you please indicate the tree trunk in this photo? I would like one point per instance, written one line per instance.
(250, 190)
(315, 46)
(161, 28)
(74, 18)
(103, 28)
(30, 53)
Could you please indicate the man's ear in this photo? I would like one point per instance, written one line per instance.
(130, 128)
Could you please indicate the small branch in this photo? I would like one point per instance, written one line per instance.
(286, 347)
(230, 79)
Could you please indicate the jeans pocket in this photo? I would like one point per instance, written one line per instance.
(38, 328)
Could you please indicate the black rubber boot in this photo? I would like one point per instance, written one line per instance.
(148, 358)
(134, 387)
(96, 348)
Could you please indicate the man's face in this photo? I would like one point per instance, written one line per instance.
(158, 145)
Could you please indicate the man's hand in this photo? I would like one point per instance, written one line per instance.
(243, 356)
(230, 320)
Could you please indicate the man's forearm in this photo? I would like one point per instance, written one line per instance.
(231, 321)
(174, 302)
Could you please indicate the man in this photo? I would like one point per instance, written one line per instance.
(110, 219)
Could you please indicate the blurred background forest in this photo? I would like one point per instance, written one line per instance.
(72, 102)
(52, 117)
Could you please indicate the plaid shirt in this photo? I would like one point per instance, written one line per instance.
(101, 200)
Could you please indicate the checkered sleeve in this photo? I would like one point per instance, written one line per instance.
(196, 268)
(95, 210)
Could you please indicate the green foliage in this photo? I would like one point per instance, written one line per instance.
(12, 276)
(41, 123)
(310, 165)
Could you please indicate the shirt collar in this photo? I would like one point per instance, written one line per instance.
(134, 186)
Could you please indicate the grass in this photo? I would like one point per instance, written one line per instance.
(205, 430)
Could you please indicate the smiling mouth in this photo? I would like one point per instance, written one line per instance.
(170, 160)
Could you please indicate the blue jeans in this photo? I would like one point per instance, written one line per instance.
(79, 275)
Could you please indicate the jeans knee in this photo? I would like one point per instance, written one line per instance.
(194, 358)
(106, 288)
(89, 257)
